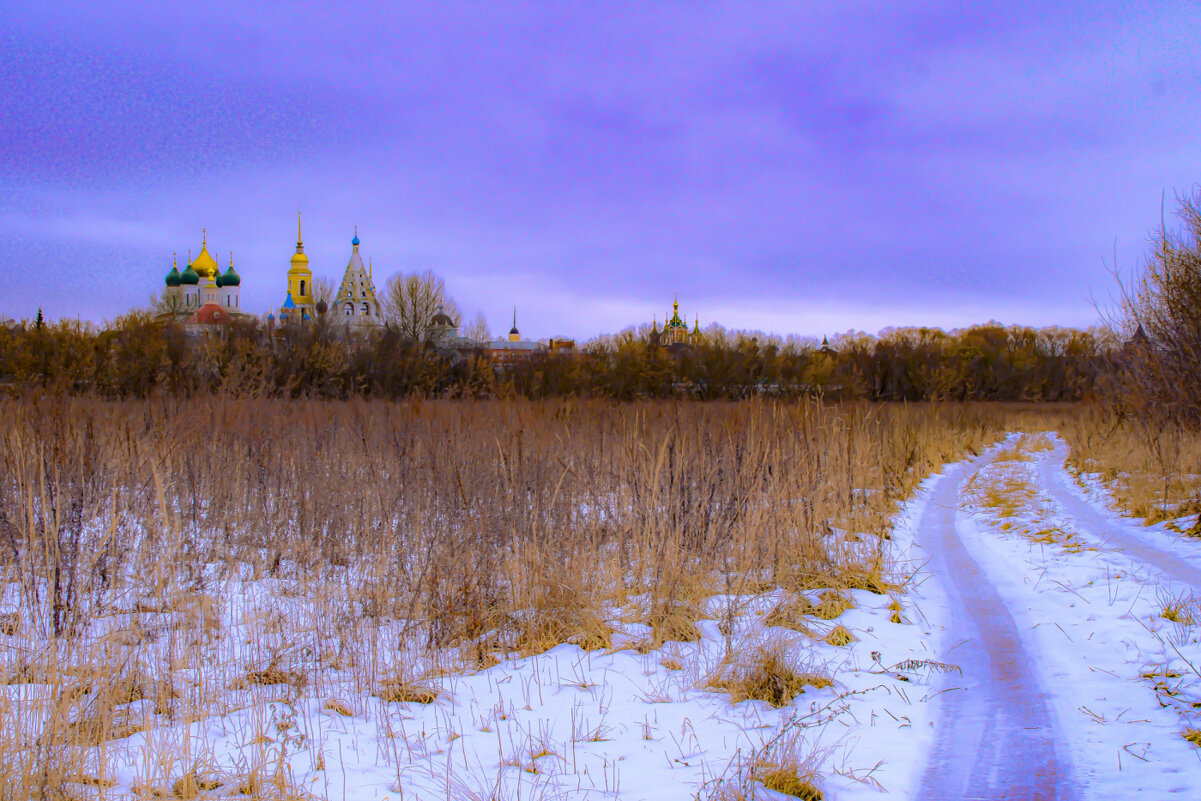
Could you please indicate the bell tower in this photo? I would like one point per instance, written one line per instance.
(300, 277)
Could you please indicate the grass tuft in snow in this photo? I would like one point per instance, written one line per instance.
(839, 636)
(790, 613)
(831, 604)
(769, 673)
(786, 765)
(401, 690)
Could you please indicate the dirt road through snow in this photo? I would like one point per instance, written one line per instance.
(997, 737)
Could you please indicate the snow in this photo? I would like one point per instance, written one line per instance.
(574, 724)
(566, 723)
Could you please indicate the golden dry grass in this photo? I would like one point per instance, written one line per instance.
(1151, 467)
(839, 636)
(831, 604)
(408, 691)
(786, 764)
(791, 613)
(769, 672)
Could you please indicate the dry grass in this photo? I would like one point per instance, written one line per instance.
(769, 672)
(401, 539)
(339, 707)
(839, 636)
(1184, 609)
(1010, 500)
(831, 604)
(791, 613)
(1005, 493)
(1152, 467)
(399, 690)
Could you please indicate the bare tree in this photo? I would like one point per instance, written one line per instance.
(477, 331)
(163, 304)
(412, 299)
(324, 291)
(1160, 312)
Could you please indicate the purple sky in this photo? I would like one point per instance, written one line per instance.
(791, 167)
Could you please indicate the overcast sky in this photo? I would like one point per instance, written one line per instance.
(796, 167)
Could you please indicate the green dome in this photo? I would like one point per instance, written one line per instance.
(173, 277)
(189, 277)
(229, 278)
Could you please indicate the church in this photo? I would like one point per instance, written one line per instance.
(675, 334)
(202, 294)
(356, 305)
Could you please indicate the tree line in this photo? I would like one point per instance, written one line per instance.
(140, 355)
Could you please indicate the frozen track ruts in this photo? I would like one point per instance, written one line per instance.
(997, 738)
(1114, 533)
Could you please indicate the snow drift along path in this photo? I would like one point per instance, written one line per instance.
(997, 737)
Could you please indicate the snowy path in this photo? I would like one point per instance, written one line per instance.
(1127, 537)
(1076, 682)
(997, 737)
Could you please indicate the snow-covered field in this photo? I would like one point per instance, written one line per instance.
(626, 722)
(259, 704)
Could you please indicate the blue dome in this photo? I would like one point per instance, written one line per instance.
(355, 241)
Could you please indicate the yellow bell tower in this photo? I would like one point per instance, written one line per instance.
(300, 277)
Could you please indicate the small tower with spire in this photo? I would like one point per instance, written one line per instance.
(514, 334)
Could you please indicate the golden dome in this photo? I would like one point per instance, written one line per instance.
(204, 264)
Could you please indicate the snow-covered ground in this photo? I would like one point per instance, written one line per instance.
(261, 701)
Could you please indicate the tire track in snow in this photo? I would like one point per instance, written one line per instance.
(997, 738)
(1108, 529)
